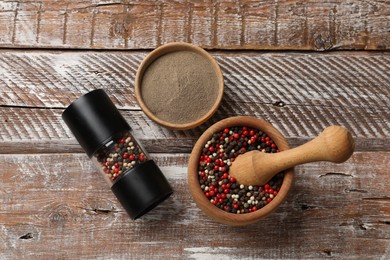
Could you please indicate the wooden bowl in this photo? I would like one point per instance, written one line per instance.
(170, 48)
(201, 200)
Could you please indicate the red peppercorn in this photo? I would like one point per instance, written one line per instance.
(266, 186)
(226, 191)
(125, 155)
(275, 193)
(225, 176)
(116, 170)
(223, 169)
(132, 157)
(211, 149)
(141, 157)
(212, 193)
(122, 141)
(236, 136)
(254, 208)
(216, 168)
(223, 196)
(251, 132)
(226, 130)
(232, 179)
(269, 200)
(235, 206)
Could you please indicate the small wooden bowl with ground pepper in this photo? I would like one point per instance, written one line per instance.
(219, 195)
(179, 85)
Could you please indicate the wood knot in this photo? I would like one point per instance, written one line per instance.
(323, 41)
(326, 251)
(27, 236)
(60, 215)
(279, 104)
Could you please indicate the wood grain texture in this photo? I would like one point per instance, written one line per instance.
(271, 25)
(299, 93)
(59, 204)
(55, 205)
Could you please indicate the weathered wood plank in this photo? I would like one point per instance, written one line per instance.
(48, 79)
(297, 25)
(299, 93)
(43, 131)
(59, 201)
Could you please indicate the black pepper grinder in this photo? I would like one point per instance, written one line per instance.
(106, 137)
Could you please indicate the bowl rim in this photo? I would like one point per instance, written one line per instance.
(200, 199)
(168, 48)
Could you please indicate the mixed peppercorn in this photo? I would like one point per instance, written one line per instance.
(213, 172)
(120, 155)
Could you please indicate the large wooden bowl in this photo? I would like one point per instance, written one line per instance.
(204, 204)
(169, 48)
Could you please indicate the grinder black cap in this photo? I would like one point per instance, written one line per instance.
(141, 189)
(94, 120)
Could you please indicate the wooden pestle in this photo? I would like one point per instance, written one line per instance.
(334, 144)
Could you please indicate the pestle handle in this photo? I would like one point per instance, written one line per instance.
(334, 144)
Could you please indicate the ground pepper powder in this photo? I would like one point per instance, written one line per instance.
(180, 87)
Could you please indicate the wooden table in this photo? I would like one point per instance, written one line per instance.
(301, 65)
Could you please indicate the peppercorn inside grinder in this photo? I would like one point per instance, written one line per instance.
(106, 137)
